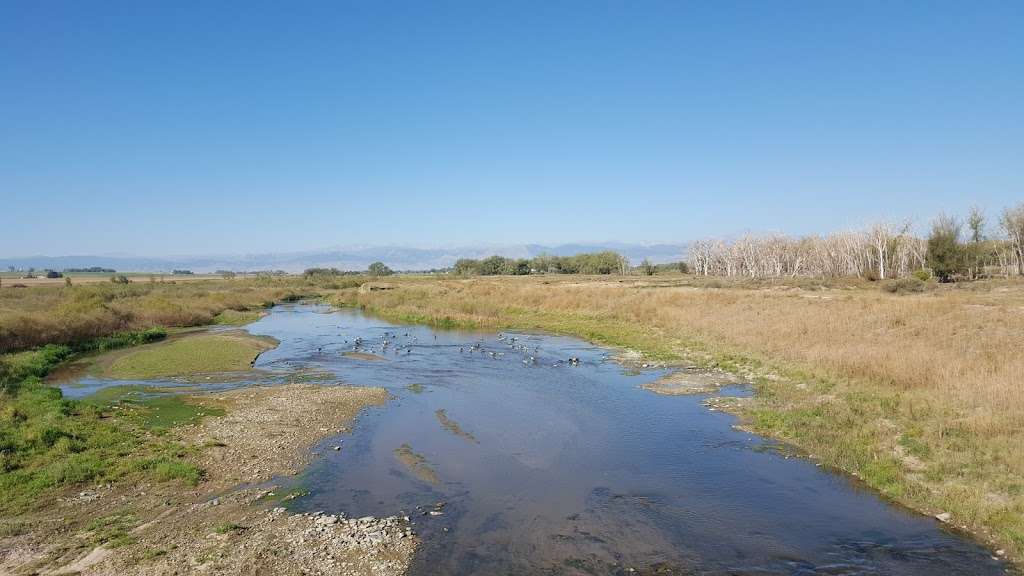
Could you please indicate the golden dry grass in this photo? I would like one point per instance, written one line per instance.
(65, 315)
(922, 396)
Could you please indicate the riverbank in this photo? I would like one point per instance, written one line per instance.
(225, 523)
(916, 395)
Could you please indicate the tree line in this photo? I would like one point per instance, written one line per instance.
(606, 262)
(880, 252)
(374, 269)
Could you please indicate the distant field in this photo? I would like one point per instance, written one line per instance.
(12, 278)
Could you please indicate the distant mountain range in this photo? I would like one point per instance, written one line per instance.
(345, 258)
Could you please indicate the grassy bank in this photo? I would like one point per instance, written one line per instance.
(48, 442)
(919, 395)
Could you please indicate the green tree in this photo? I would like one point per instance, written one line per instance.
(945, 252)
(379, 269)
(466, 266)
(647, 268)
(494, 265)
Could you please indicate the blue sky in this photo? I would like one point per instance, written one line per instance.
(218, 127)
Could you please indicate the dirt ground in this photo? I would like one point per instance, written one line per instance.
(227, 524)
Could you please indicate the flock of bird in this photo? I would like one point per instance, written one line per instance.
(390, 342)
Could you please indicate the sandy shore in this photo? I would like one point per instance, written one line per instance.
(221, 526)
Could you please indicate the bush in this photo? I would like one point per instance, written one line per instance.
(922, 275)
(911, 285)
(946, 255)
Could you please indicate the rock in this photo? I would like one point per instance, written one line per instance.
(1000, 552)
(943, 517)
(215, 502)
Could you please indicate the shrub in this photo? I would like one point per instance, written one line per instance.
(911, 285)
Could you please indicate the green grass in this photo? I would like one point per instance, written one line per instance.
(228, 527)
(112, 531)
(190, 355)
(48, 441)
(237, 318)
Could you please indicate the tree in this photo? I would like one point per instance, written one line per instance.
(521, 267)
(976, 224)
(1013, 224)
(945, 253)
(379, 269)
(976, 251)
(466, 266)
(647, 268)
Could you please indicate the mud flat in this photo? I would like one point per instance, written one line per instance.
(224, 525)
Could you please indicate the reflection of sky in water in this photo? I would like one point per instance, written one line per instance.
(576, 469)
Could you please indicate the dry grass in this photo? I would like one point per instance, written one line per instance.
(920, 395)
(63, 315)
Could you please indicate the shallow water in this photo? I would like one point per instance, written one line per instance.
(576, 470)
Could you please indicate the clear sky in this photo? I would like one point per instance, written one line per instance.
(227, 127)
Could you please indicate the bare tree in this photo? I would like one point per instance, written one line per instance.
(1013, 224)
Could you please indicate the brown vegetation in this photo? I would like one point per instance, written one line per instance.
(51, 315)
